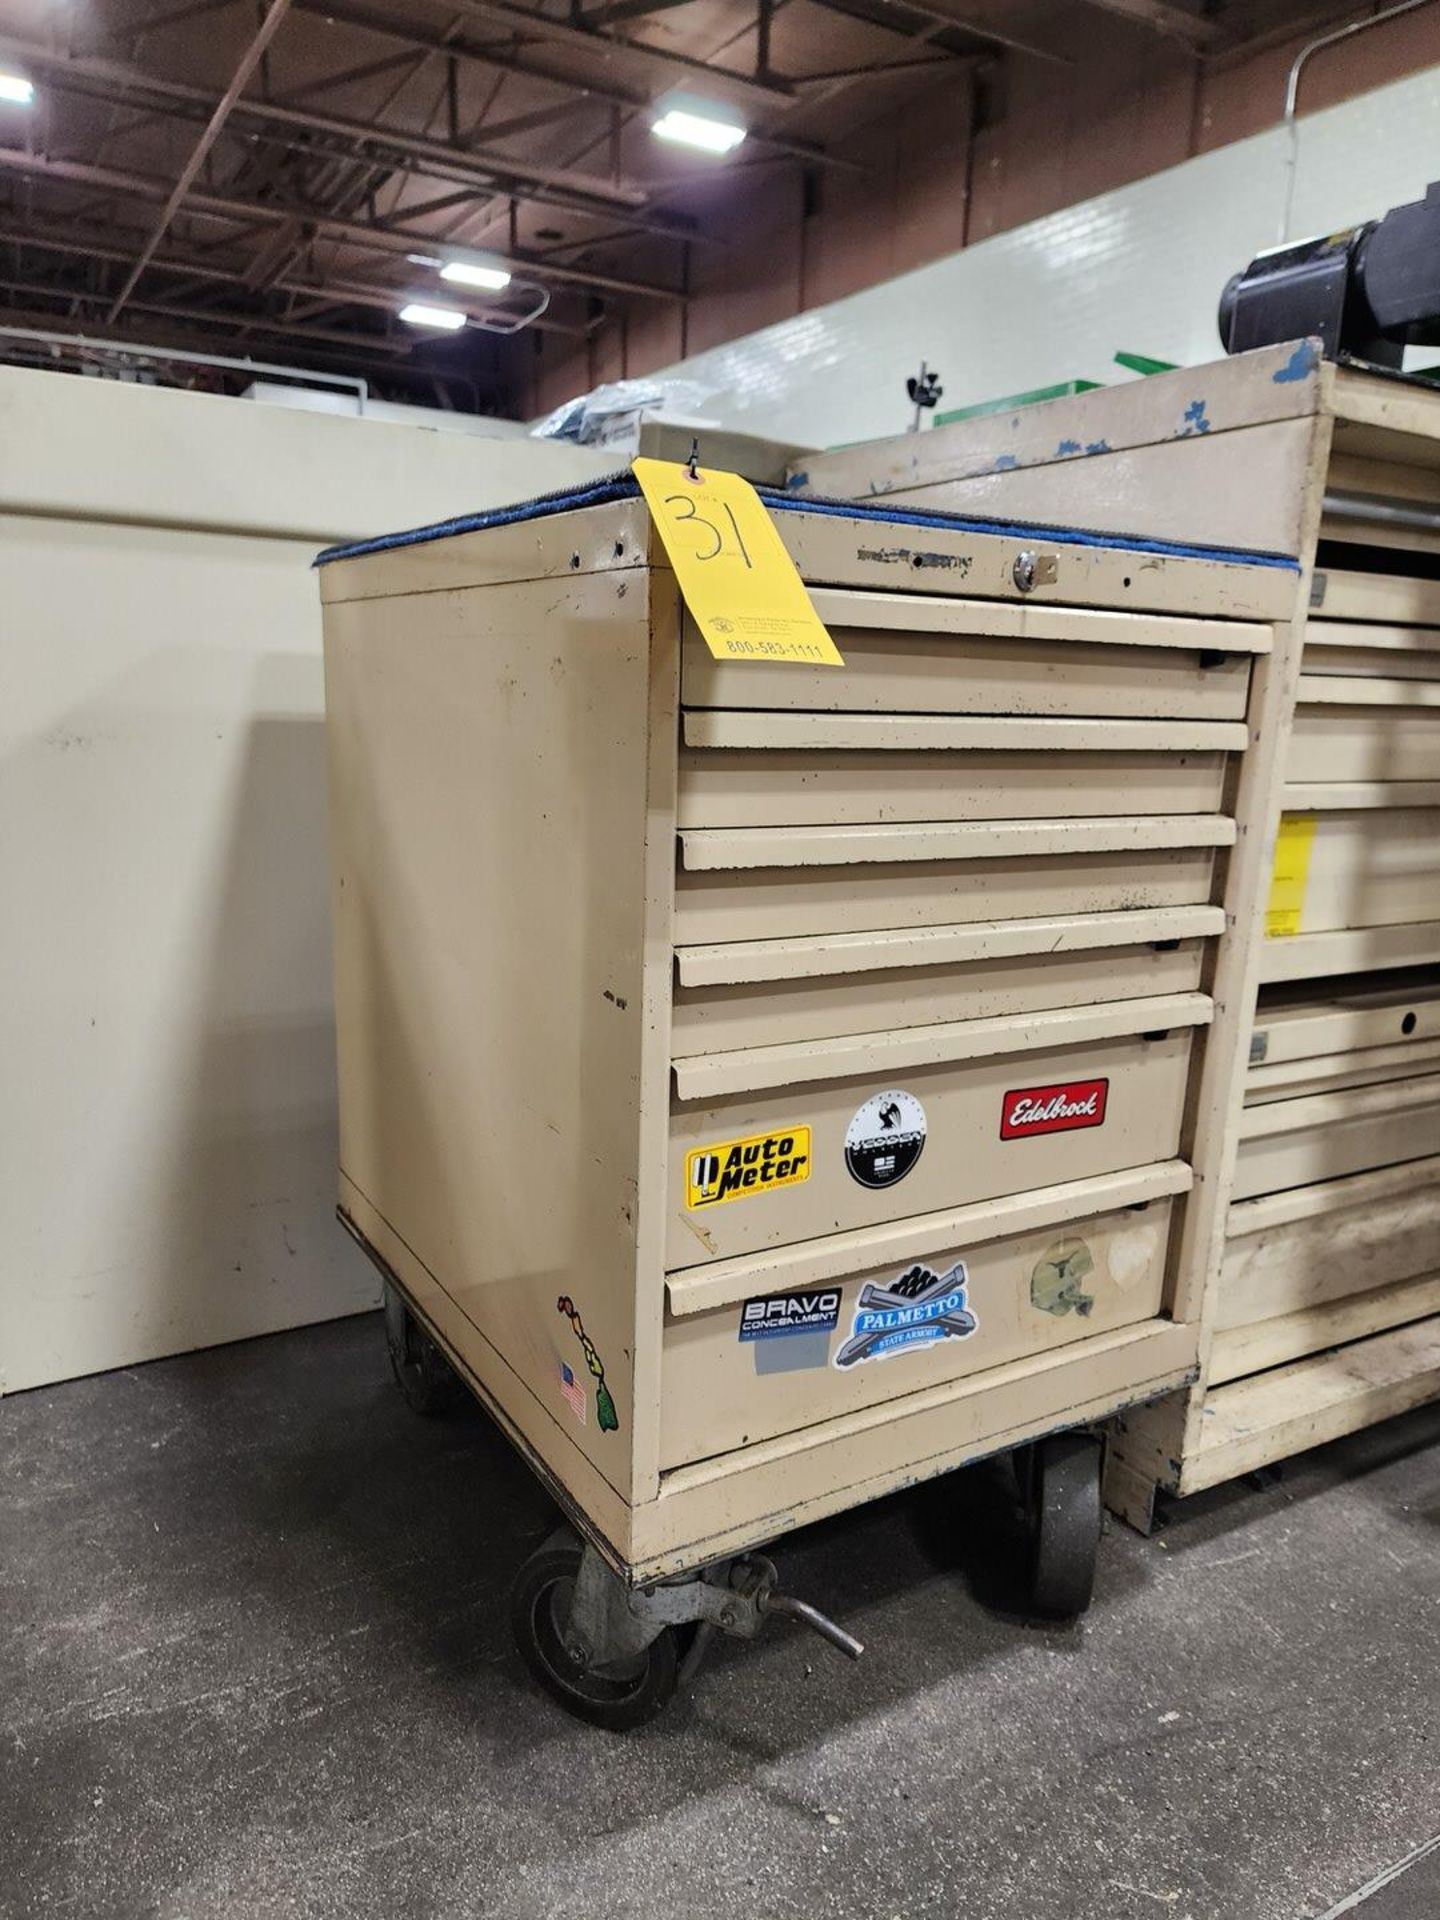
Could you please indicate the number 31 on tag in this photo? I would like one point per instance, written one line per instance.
(739, 583)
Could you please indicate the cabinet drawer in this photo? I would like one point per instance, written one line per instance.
(1324, 1136)
(772, 1012)
(896, 671)
(777, 770)
(721, 849)
(1317, 1244)
(1373, 868)
(1347, 744)
(1316, 1023)
(1323, 1265)
(806, 957)
(1384, 599)
(1329, 1073)
(771, 1168)
(783, 1352)
(1356, 649)
(777, 902)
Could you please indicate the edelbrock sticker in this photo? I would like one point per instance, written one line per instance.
(916, 1310)
(790, 1332)
(1059, 1109)
(885, 1139)
(738, 1169)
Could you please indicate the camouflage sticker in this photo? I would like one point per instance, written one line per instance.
(1055, 1285)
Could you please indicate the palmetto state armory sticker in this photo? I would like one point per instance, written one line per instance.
(918, 1309)
(884, 1139)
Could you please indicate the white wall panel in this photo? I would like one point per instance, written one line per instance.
(1141, 268)
(167, 1148)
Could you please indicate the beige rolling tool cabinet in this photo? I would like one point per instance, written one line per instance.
(1321, 1298)
(768, 1085)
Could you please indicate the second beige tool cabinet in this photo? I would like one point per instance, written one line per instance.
(769, 1084)
(1321, 1297)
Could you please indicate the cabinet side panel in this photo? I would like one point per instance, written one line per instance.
(1238, 489)
(488, 758)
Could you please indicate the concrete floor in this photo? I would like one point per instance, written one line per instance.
(254, 1662)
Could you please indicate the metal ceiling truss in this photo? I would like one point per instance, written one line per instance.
(365, 18)
(189, 173)
(374, 237)
(112, 80)
(292, 190)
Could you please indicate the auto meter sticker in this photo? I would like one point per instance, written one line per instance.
(1058, 1109)
(788, 1332)
(885, 1139)
(918, 1309)
(736, 1169)
(1056, 1285)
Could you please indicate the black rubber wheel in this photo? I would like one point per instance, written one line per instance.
(1061, 1479)
(426, 1378)
(619, 1698)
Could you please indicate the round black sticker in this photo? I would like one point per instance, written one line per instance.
(885, 1139)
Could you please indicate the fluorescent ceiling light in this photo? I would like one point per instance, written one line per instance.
(419, 313)
(464, 274)
(16, 89)
(696, 124)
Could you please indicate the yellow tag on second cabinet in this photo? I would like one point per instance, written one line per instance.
(739, 583)
(1292, 870)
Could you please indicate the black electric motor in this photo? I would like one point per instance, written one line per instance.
(1367, 293)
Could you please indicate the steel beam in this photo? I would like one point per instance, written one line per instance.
(654, 63)
(249, 61)
(609, 15)
(355, 13)
(904, 17)
(159, 22)
(1162, 16)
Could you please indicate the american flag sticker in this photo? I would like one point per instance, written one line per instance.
(574, 1393)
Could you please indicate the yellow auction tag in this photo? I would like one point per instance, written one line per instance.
(739, 583)
(1292, 870)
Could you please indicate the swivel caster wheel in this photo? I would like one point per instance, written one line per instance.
(1060, 1482)
(619, 1695)
(425, 1377)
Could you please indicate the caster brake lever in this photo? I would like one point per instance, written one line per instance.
(812, 1617)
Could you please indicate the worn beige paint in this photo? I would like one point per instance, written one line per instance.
(523, 888)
